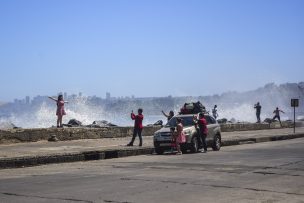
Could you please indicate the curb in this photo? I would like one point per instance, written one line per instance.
(262, 139)
(20, 162)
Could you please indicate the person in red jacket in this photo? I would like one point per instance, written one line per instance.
(203, 130)
(137, 127)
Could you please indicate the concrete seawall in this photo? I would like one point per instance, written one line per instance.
(63, 134)
(36, 134)
(253, 126)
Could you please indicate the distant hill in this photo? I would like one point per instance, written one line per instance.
(237, 105)
(240, 105)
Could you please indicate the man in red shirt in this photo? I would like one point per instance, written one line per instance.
(137, 127)
(203, 130)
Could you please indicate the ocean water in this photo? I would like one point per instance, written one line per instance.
(44, 115)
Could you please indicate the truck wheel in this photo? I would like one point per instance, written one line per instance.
(159, 151)
(216, 145)
(194, 145)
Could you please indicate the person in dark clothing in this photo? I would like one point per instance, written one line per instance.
(258, 108)
(214, 111)
(169, 116)
(277, 114)
(137, 126)
(202, 129)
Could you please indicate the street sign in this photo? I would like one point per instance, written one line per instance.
(294, 102)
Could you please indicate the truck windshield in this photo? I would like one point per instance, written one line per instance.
(186, 121)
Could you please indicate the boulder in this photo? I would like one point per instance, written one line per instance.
(222, 120)
(101, 124)
(7, 125)
(268, 120)
(157, 123)
(73, 123)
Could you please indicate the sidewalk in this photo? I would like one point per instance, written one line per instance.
(44, 152)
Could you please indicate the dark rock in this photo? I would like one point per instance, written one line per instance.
(157, 123)
(7, 125)
(53, 138)
(101, 124)
(268, 120)
(73, 123)
(222, 120)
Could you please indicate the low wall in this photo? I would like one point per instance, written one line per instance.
(36, 134)
(254, 126)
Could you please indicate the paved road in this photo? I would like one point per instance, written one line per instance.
(265, 172)
(73, 146)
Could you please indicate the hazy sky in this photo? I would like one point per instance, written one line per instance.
(148, 47)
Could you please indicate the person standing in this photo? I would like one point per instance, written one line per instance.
(137, 127)
(214, 112)
(60, 112)
(169, 116)
(181, 138)
(277, 114)
(258, 108)
(203, 130)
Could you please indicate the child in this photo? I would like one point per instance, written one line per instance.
(181, 138)
(173, 139)
(137, 127)
(60, 109)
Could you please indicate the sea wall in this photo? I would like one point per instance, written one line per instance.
(63, 134)
(230, 127)
(36, 134)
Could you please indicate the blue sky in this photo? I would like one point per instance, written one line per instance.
(148, 48)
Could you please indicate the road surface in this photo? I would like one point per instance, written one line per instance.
(265, 172)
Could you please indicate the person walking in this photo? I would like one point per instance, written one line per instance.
(277, 114)
(258, 108)
(60, 112)
(181, 138)
(202, 130)
(214, 112)
(137, 127)
(169, 116)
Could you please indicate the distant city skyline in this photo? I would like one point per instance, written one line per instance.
(108, 96)
(148, 48)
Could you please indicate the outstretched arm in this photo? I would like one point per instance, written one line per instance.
(53, 99)
(165, 114)
(282, 111)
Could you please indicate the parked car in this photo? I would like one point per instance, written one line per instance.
(162, 137)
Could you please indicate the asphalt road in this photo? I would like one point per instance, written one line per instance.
(265, 172)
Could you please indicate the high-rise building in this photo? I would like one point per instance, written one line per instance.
(27, 100)
(108, 95)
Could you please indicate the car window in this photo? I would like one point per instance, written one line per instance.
(186, 121)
